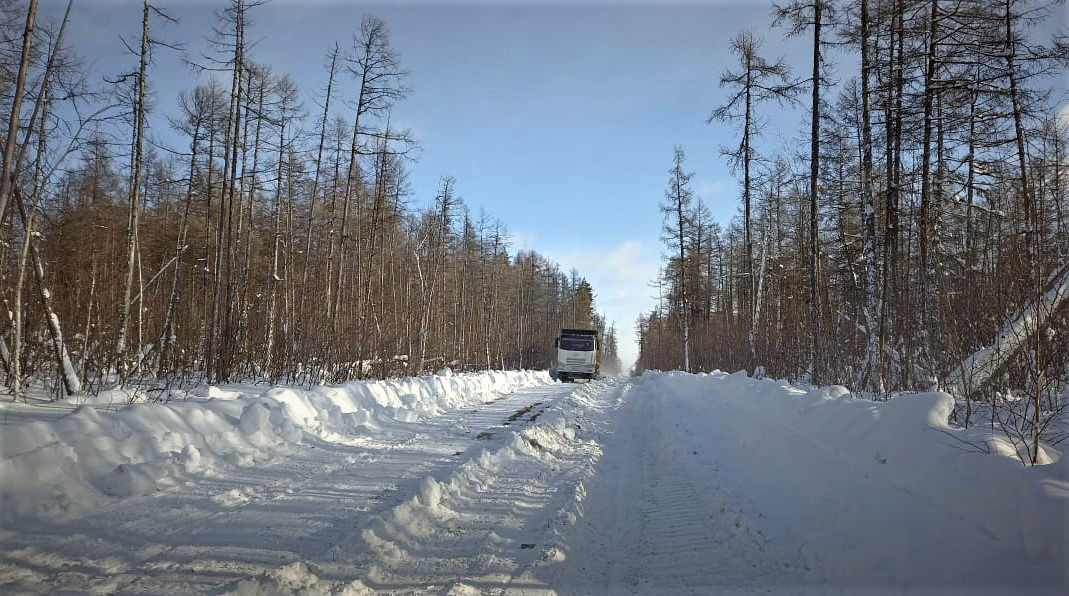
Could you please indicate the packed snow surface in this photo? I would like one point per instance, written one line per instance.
(500, 482)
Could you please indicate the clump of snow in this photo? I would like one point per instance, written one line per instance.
(131, 480)
(295, 578)
(430, 492)
(63, 466)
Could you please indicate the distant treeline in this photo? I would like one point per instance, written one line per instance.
(276, 243)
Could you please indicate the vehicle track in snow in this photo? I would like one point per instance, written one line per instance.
(659, 522)
(486, 527)
(308, 506)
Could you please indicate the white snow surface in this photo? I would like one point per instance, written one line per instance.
(66, 466)
(509, 483)
(725, 484)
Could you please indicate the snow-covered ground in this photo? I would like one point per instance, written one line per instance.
(510, 483)
(723, 484)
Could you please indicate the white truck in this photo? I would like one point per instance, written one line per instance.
(577, 354)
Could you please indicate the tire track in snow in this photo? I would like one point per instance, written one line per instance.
(658, 522)
(482, 529)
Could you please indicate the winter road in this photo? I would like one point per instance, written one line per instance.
(665, 484)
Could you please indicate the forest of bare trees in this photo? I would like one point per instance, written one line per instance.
(921, 241)
(278, 240)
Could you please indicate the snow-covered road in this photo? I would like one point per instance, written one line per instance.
(664, 484)
(311, 507)
(661, 519)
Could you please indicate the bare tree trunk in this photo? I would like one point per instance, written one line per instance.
(40, 108)
(230, 345)
(926, 183)
(277, 240)
(16, 325)
(871, 377)
(815, 374)
(373, 247)
(354, 171)
(89, 318)
(219, 355)
(289, 265)
(490, 314)
(140, 310)
(167, 338)
(207, 321)
(681, 219)
(760, 290)
(135, 201)
(7, 173)
(440, 232)
(351, 177)
(243, 319)
(746, 154)
(71, 383)
(892, 118)
(330, 237)
(302, 311)
(1036, 245)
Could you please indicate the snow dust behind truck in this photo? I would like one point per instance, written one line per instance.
(577, 354)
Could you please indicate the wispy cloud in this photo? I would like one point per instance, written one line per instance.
(620, 278)
(520, 240)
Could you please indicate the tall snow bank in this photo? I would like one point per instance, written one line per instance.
(845, 466)
(88, 457)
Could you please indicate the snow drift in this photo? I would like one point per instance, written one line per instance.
(88, 458)
(880, 493)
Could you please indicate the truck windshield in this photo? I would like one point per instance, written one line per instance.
(577, 344)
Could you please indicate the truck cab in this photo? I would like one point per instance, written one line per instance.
(577, 354)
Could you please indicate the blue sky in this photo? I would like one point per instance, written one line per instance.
(557, 118)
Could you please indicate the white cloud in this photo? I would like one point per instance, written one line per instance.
(520, 240)
(620, 278)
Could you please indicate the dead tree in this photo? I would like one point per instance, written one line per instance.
(374, 64)
(756, 81)
(674, 231)
(133, 215)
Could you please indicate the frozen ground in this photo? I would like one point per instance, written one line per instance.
(510, 483)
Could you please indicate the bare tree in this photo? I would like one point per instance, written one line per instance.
(756, 81)
(134, 208)
(871, 378)
(375, 66)
(801, 15)
(676, 209)
(314, 193)
(286, 91)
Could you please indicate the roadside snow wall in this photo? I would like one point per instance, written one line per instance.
(833, 466)
(90, 457)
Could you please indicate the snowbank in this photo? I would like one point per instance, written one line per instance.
(826, 455)
(88, 457)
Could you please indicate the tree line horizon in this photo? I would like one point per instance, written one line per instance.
(273, 242)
